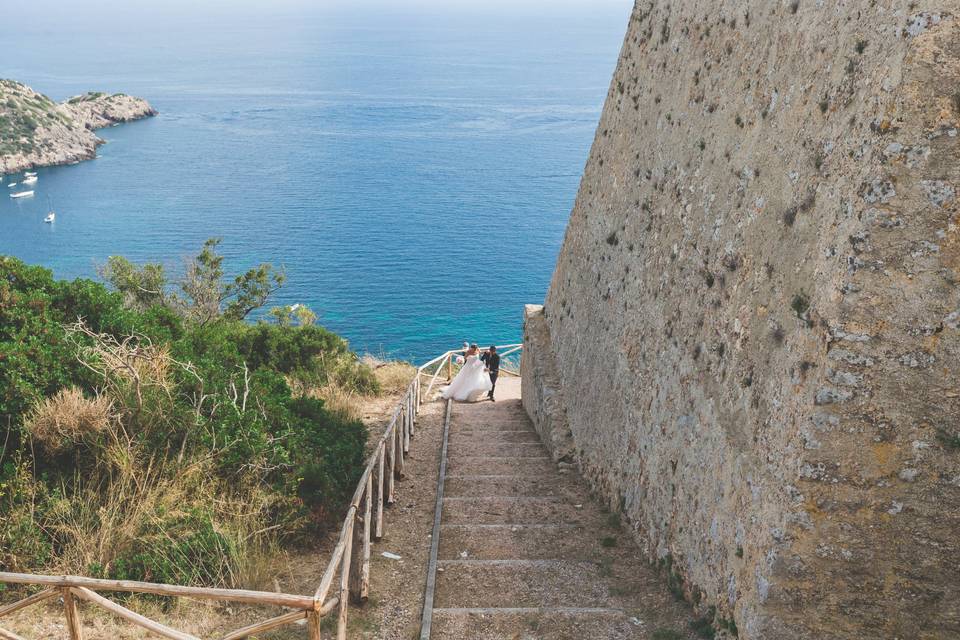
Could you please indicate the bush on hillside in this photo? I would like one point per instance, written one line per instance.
(156, 436)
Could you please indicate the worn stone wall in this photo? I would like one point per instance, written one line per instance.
(541, 386)
(755, 313)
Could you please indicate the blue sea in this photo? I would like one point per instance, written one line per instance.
(412, 166)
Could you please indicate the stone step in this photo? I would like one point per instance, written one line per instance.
(510, 510)
(504, 542)
(494, 436)
(492, 426)
(497, 449)
(541, 624)
(534, 466)
(512, 485)
(522, 583)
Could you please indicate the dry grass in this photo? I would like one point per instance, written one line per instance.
(393, 378)
(67, 418)
(107, 514)
(128, 505)
(345, 404)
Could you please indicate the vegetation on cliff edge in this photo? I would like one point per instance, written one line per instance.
(151, 433)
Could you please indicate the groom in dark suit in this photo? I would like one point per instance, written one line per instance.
(492, 361)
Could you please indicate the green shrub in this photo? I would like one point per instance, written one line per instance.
(179, 392)
(328, 453)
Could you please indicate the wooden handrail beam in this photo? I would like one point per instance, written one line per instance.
(130, 616)
(266, 625)
(327, 580)
(433, 380)
(511, 351)
(131, 586)
(437, 359)
(9, 635)
(40, 596)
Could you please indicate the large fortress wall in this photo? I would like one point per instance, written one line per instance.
(752, 329)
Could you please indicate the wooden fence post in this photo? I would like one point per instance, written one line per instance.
(73, 616)
(313, 625)
(398, 437)
(413, 410)
(393, 465)
(412, 413)
(360, 572)
(449, 368)
(345, 583)
(406, 428)
(379, 530)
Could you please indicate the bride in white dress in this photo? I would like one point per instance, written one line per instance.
(472, 383)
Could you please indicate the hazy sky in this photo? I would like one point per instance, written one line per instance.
(56, 9)
(98, 19)
(546, 5)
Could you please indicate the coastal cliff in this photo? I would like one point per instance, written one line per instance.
(35, 131)
(751, 339)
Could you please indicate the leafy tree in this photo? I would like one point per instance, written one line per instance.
(207, 296)
(205, 293)
(142, 287)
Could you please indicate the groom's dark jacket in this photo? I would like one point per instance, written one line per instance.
(492, 360)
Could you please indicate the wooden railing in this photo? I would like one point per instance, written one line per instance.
(349, 564)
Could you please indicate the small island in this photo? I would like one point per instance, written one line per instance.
(35, 131)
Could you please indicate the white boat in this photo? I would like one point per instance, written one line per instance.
(30, 180)
(50, 217)
(29, 174)
(11, 185)
(21, 194)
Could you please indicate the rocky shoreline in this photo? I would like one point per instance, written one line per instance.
(35, 131)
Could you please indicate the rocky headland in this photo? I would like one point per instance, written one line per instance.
(35, 131)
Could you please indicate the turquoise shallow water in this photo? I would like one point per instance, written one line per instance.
(413, 170)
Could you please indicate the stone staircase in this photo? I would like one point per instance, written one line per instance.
(525, 552)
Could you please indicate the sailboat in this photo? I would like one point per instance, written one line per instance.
(52, 215)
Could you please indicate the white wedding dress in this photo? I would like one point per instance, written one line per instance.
(471, 384)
